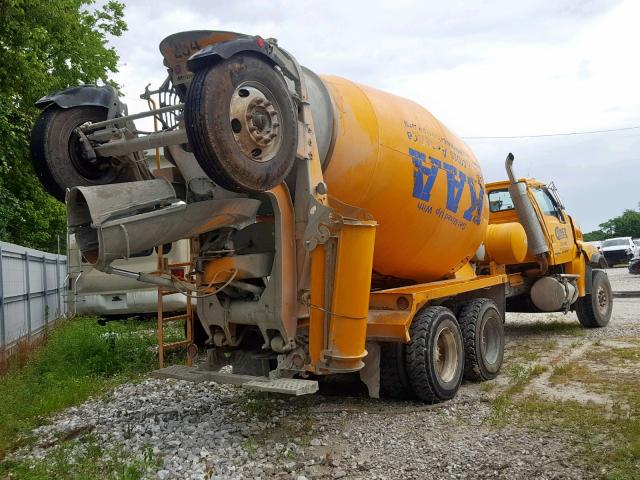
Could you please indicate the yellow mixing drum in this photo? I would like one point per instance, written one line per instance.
(382, 153)
(420, 182)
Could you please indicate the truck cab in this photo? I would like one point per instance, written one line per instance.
(559, 263)
(562, 235)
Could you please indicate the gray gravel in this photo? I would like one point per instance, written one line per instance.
(215, 431)
(204, 431)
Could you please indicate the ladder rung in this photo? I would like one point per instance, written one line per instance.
(168, 292)
(175, 318)
(176, 345)
(181, 264)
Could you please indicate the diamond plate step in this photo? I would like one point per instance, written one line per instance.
(289, 386)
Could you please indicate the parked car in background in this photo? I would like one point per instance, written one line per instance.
(634, 266)
(619, 250)
(596, 243)
(92, 292)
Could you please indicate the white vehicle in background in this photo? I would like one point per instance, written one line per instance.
(92, 292)
(596, 243)
(619, 250)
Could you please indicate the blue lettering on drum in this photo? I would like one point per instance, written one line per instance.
(425, 174)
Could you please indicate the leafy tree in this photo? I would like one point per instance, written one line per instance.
(45, 45)
(625, 225)
(595, 236)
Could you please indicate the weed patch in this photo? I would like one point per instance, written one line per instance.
(81, 460)
(520, 375)
(545, 328)
(609, 439)
(80, 359)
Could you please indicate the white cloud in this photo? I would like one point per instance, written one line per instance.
(483, 68)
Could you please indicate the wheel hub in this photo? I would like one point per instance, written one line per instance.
(489, 339)
(446, 355)
(603, 299)
(255, 122)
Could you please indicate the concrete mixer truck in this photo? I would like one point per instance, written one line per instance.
(339, 230)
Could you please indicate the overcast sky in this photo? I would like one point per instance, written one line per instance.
(484, 68)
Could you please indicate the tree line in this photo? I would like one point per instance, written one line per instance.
(48, 45)
(45, 45)
(625, 225)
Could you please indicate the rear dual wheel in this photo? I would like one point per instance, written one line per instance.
(482, 328)
(434, 356)
(430, 366)
(442, 350)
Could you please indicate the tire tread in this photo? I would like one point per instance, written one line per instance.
(422, 382)
(468, 320)
(393, 375)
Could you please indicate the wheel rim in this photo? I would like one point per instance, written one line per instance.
(255, 121)
(602, 300)
(490, 338)
(97, 169)
(445, 355)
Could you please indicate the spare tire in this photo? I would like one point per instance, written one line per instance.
(241, 122)
(56, 152)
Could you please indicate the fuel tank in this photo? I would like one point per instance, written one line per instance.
(422, 184)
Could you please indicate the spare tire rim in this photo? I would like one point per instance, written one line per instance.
(445, 355)
(490, 338)
(255, 121)
(98, 169)
(603, 299)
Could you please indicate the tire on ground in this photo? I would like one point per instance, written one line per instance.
(246, 363)
(594, 309)
(394, 382)
(482, 329)
(210, 126)
(200, 336)
(56, 151)
(434, 356)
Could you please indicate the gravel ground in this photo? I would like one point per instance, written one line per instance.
(217, 431)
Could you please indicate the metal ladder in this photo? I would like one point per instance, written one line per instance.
(164, 267)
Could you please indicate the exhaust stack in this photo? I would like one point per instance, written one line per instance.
(535, 236)
(116, 221)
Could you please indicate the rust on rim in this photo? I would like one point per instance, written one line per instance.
(255, 122)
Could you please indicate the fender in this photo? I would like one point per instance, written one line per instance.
(596, 258)
(85, 95)
(212, 54)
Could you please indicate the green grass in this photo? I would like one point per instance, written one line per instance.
(520, 375)
(608, 437)
(258, 404)
(619, 454)
(630, 354)
(86, 459)
(544, 328)
(79, 360)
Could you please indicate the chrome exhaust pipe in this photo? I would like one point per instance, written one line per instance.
(119, 220)
(537, 244)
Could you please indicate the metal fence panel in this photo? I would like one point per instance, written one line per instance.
(32, 290)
